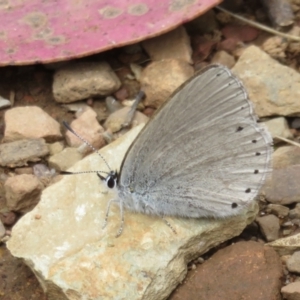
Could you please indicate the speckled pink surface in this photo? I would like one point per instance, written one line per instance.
(52, 30)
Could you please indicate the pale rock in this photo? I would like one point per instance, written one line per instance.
(44, 174)
(24, 170)
(74, 107)
(64, 159)
(117, 119)
(287, 245)
(273, 87)
(275, 46)
(158, 48)
(278, 210)
(56, 147)
(19, 153)
(22, 192)
(278, 127)
(4, 103)
(30, 122)
(136, 70)
(81, 80)
(291, 291)
(287, 224)
(269, 226)
(41, 170)
(62, 239)
(131, 103)
(286, 156)
(283, 186)
(112, 104)
(161, 78)
(2, 230)
(288, 231)
(86, 126)
(223, 58)
(293, 263)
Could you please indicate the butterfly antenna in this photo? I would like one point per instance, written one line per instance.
(82, 172)
(87, 143)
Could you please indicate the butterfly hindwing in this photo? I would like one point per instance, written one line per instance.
(202, 154)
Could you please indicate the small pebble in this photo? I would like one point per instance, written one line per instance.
(287, 224)
(200, 260)
(286, 232)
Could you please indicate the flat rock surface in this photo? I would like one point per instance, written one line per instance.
(63, 241)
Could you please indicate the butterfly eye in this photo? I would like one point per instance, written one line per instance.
(111, 180)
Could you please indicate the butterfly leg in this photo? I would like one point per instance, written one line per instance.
(121, 213)
(122, 219)
(107, 211)
(151, 210)
(169, 224)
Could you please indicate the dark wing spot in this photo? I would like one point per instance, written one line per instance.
(254, 141)
(240, 128)
(234, 205)
(256, 171)
(248, 190)
(257, 153)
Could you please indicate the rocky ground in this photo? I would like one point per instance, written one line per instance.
(94, 95)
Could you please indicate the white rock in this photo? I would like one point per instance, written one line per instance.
(62, 239)
(287, 245)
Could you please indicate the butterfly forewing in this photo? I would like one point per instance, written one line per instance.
(202, 154)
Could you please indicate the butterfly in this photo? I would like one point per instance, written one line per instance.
(203, 153)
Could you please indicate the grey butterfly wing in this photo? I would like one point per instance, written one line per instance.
(202, 154)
